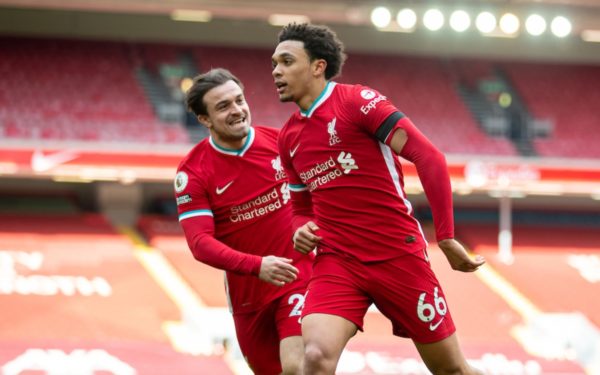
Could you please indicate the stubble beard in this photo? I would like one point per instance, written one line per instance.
(286, 98)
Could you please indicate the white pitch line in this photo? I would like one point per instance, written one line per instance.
(165, 274)
(507, 292)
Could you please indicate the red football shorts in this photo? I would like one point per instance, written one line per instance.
(404, 289)
(260, 332)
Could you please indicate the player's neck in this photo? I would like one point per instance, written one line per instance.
(312, 94)
(230, 145)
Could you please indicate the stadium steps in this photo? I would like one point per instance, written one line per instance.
(203, 330)
(166, 108)
(554, 272)
(490, 119)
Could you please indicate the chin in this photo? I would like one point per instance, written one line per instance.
(245, 131)
(285, 98)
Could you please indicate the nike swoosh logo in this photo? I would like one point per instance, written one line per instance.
(433, 327)
(293, 152)
(221, 190)
(43, 163)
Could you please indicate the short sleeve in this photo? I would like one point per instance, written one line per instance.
(368, 108)
(191, 195)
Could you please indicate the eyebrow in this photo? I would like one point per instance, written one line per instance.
(226, 101)
(283, 55)
(222, 102)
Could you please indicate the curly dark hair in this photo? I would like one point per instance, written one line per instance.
(194, 97)
(320, 42)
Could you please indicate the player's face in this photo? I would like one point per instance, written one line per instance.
(291, 71)
(228, 115)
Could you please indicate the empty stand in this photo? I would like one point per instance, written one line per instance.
(74, 296)
(86, 90)
(153, 56)
(558, 267)
(471, 73)
(424, 91)
(165, 234)
(253, 67)
(419, 87)
(568, 96)
(81, 90)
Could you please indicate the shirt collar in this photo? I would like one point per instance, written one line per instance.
(239, 152)
(323, 96)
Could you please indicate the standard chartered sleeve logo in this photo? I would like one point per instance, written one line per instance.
(346, 162)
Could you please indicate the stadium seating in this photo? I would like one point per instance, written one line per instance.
(568, 96)
(555, 265)
(73, 294)
(470, 72)
(253, 68)
(87, 90)
(424, 91)
(165, 234)
(59, 89)
(153, 55)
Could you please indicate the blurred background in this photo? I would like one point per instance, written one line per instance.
(95, 275)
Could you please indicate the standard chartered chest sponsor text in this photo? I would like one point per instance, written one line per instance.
(321, 174)
(260, 206)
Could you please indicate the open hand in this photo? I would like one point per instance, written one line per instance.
(458, 257)
(277, 271)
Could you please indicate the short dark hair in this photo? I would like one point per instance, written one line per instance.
(194, 97)
(320, 42)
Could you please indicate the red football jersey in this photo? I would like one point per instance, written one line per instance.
(246, 193)
(355, 181)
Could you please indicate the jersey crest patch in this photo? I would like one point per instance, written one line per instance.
(181, 181)
(279, 172)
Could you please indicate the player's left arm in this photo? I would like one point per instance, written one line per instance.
(379, 117)
(407, 141)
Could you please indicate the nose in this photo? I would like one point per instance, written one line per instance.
(236, 108)
(276, 73)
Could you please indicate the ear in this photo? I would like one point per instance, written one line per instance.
(205, 120)
(319, 66)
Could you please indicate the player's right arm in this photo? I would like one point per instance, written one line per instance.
(197, 221)
(199, 233)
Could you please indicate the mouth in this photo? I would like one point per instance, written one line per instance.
(239, 121)
(281, 86)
